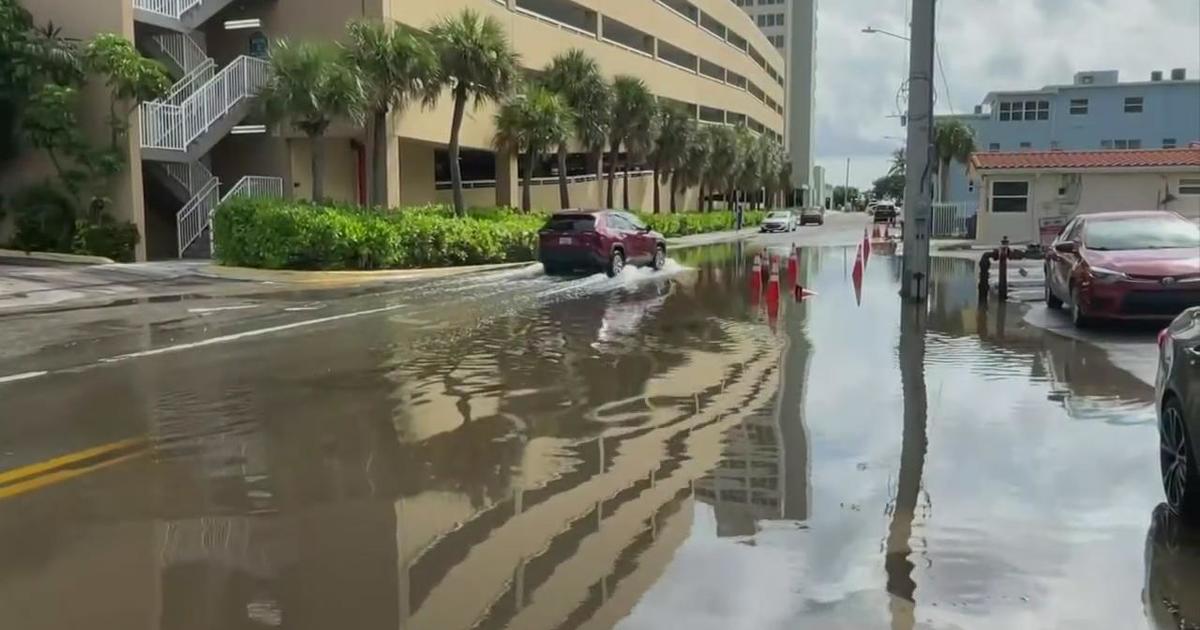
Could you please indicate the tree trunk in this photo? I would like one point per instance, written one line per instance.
(712, 192)
(318, 167)
(674, 189)
(625, 188)
(612, 173)
(460, 104)
(700, 201)
(379, 161)
(657, 193)
(564, 195)
(527, 181)
(943, 180)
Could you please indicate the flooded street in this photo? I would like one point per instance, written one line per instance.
(670, 450)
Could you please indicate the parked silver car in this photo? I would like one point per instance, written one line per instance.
(812, 214)
(1178, 396)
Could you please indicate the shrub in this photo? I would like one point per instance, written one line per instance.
(286, 235)
(275, 234)
(44, 219)
(109, 238)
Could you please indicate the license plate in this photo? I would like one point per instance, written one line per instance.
(565, 240)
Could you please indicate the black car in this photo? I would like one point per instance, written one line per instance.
(1178, 396)
(884, 212)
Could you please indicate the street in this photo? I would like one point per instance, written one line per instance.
(657, 450)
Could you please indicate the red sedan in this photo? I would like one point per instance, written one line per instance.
(600, 239)
(1125, 265)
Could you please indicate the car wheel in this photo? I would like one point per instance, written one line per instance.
(1052, 300)
(1181, 482)
(660, 257)
(550, 270)
(616, 264)
(1078, 318)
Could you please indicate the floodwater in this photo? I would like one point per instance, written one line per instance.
(653, 451)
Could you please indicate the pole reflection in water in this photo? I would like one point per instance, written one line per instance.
(901, 586)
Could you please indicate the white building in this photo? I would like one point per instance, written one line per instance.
(791, 25)
(1028, 196)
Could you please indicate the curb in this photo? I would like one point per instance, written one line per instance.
(71, 259)
(346, 277)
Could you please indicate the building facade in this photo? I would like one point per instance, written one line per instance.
(1095, 112)
(203, 142)
(791, 26)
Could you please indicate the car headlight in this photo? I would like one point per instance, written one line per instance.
(1107, 276)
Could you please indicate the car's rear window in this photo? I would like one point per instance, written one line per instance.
(778, 215)
(1144, 233)
(571, 223)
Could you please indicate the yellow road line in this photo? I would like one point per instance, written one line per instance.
(67, 460)
(30, 485)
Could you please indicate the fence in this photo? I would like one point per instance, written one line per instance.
(950, 220)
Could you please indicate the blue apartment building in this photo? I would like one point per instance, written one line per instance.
(1095, 112)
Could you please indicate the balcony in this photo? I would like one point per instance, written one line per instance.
(563, 14)
(628, 37)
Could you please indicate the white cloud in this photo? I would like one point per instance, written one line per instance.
(985, 45)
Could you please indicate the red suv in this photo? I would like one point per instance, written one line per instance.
(598, 239)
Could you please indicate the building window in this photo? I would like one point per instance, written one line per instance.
(1106, 144)
(1026, 145)
(1170, 143)
(1134, 104)
(1189, 186)
(994, 147)
(1123, 143)
(1079, 106)
(1055, 146)
(1025, 110)
(1010, 197)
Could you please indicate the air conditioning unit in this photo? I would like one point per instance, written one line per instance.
(1179, 74)
(1156, 76)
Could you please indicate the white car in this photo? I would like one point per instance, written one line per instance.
(779, 221)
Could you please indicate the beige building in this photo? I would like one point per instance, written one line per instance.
(1028, 196)
(202, 143)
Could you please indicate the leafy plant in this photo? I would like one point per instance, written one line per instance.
(530, 123)
(478, 64)
(676, 126)
(577, 78)
(106, 237)
(632, 124)
(44, 219)
(310, 87)
(397, 66)
(953, 141)
(129, 77)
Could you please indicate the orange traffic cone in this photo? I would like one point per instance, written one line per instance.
(793, 269)
(866, 248)
(773, 294)
(857, 275)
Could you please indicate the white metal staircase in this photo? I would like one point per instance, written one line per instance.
(185, 131)
(177, 15)
(195, 219)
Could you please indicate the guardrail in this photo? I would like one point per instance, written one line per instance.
(950, 220)
(192, 176)
(196, 215)
(169, 8)
(182, 49)
(175, 127)
(541, 181)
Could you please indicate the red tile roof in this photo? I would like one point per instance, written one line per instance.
(1152, 158)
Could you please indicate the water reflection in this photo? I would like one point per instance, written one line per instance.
(1171, 594)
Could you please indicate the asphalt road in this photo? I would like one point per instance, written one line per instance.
(685, 448)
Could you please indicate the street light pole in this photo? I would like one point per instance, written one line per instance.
(846, 190)
(918, 190)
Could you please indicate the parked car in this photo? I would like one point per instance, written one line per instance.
(779, 221)
(598, 239)
(1124, 265)
(884, 212)
(813, 214)
(1178, 396)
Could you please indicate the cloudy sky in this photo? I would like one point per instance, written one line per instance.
(985, 45)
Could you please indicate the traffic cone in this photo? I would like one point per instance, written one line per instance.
(802, 294)
(875, 232)
(773, 294)
(857, 275)
(755, 280)
(866, 249)
(793, 269)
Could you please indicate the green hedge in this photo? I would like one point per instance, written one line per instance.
(274, 234)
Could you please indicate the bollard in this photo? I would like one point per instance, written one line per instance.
(1003, 271)
(985, 273)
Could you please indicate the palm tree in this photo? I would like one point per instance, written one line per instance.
(310, 86)
(576, 78)
(632, 124)
(692, 170)
(676, 125)
(722, 161)
(397, 66)
(953, 141)
(477, 62)
(746, 175)
(530, 123)
(899, 163)
(783, 178)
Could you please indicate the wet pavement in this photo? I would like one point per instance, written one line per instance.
(658, 450)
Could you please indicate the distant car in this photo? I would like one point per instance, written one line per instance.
(884, 212)
(1178, 396)
(1124, 265)
(598, 239)
(779, 221)
(814, 214)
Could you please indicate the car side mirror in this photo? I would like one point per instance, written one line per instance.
(644, 229)
(1067, 247)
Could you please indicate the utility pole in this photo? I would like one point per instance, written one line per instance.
(918, 190)
(846, 190)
